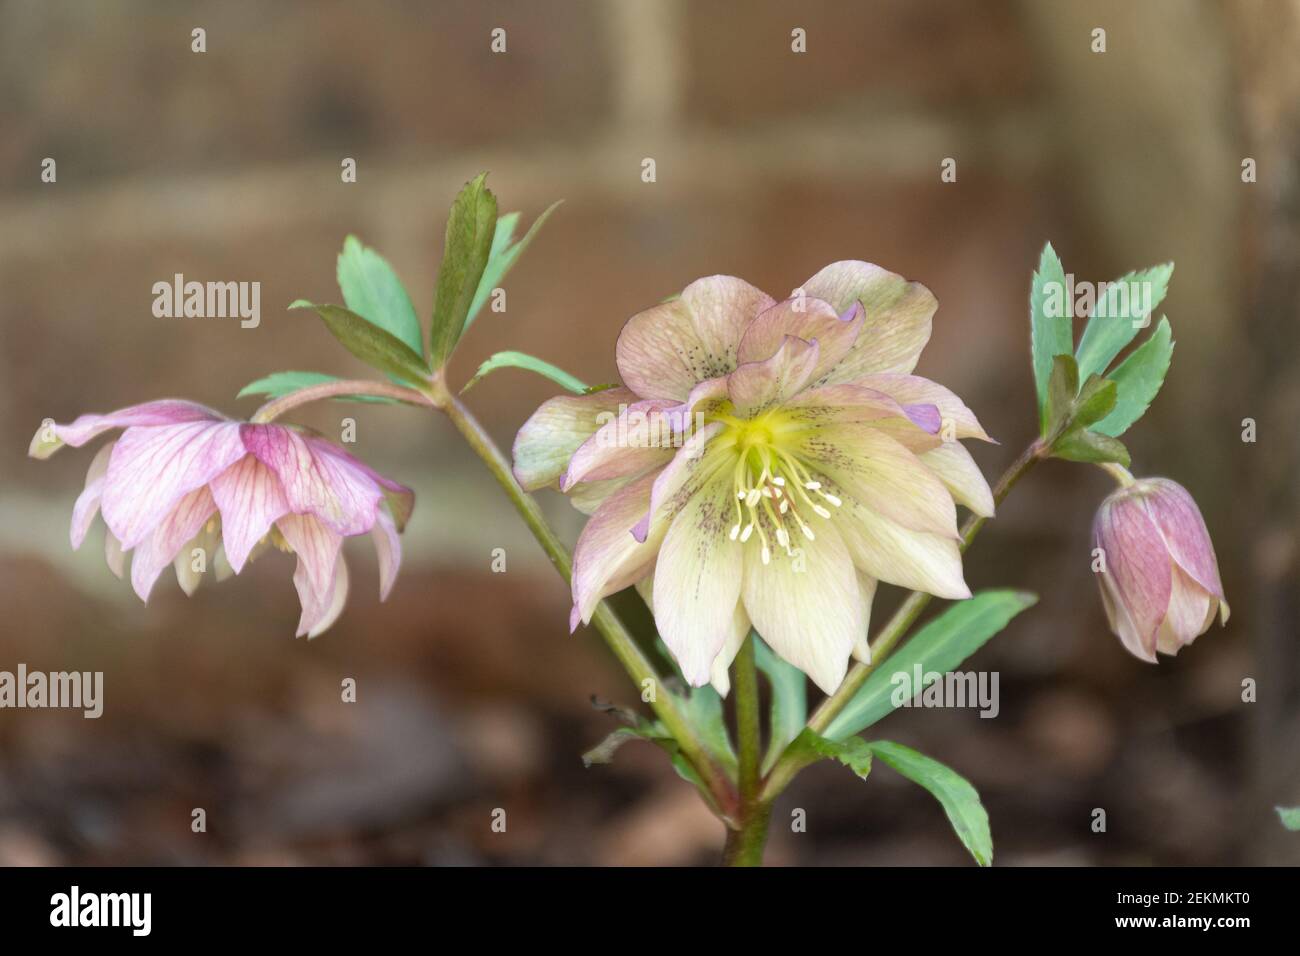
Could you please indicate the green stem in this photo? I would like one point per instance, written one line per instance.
(638, 666)
(315, 393)
(894, 630)
(746, 838)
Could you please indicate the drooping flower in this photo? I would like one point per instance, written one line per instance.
(1160, 583)
(765, 464)
(186, 486)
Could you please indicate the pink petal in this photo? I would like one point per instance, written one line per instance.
(113, 554)
(555, 431)
(808, 319)
(666, 350)
(755, 387)
(250, 499)
(167, 411)
(898, 316)
(159, 548)
(1138, 575)
(318, 620)
(317, 547)
(1175, 513)
(388, 547)
(607, 558)
(639, 437)
(912, 425)
(913, 390)
(151, 469)
(87, 506)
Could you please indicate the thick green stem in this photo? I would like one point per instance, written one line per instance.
(745, 840)
(745, 843)
(315, 393)
(638, 666)
(894, 630)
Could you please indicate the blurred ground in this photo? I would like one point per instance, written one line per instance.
(471, 696)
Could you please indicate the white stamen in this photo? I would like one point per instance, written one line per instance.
(735, 532)
(832, 499)
(752, 498)
(749, 530)
(767, 555)
(782, 537)
(812, 485)
(821, 511)
(807, 532)
(778, 480)
(785, 505)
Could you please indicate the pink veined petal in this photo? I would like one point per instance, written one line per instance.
(676, 481)
(318, 620)
(1191, 612)
(962, 477)
(388, 547)
(151, 469)
(1174, 512)
(317, 478)
(1139, 570)
(757, 386)
(704, 397)
(250, 500)
(400, 499)
(666, 350)
(898, 317)
(809, 608)
(697, 580)
(607, 558)
(913, 389)
(317, 547)
(166, 411)
(557, 429)
(807, 319)
(87, 506)
(160, 548)
(639, 436)
(913, 426)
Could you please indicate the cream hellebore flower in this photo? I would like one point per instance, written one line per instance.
(1160, 586)
(183, 477)
(765, 464)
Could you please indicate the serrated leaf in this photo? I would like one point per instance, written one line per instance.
(279, 384)
(1051, 329)
(854, 753)
(504, 255)
(467, 247)
(959, 799)
(1092, 447)
(368, 342)
(372, 290)
(1290, 817)
(938, 647)
(532, 364)
(1138, 379)
(789, 700)
(1118, 316)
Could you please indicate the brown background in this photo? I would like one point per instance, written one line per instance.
(225, 166)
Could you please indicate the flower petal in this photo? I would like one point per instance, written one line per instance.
(250, 499)
(639, 436)
(151, 469)
(898, 315)
(1139, 572)
(607, 558)
(666, 350)
(862, 647)
(322, 618)
(113, 554)
(1174, 511)
(555, 431)
(87, 506)
(914, 426)
(160, 548)
(697, 580)
(388, 546)
(673, 485)
(807, 319)
(755, 387)
(808, 608)
(962, 477)
(720, 669)
(317, 547)
(49, 438)
(1191, 612)
(959, 420)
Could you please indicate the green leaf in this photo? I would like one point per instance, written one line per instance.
(471, 226)
(604, 751)
(1290, 817)
(278, 384)
(810, 747)
(532, 364)
(504, 255)
(940, 646)
(1119, 314)
(1051, 330)
(1095, 401)
(1062, 389)
(959, 800)
(372, 290)
(789, 700)
(1138, 378)
(1089, 446)
(370, 343)
(703, 708)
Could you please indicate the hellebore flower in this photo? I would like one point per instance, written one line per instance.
(764, 465)
(1160, 586)
(183, 477)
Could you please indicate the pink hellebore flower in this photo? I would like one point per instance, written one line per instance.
(183, 477)
(1160, 586)
(765, 465)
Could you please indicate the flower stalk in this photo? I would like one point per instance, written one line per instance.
(745, 841)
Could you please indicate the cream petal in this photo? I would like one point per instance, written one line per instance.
(666, 350)
(607, 558)
(250, 499)
(151, 469)
(557, 429)
(883, 475)
(962, 477)
(757, 386)
(207, 541)
(809, 608)
(862, 646)
(694, 462)
(697, 580)
(640, 436)
(388, 548)
(160, 548)
(898, 317)
(87, 506)
(322, 618)
(113, 554)
(915, 390)
(915, 427)
(807, 319)
(720, 669)
(1191, 612)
